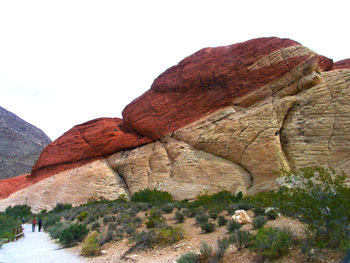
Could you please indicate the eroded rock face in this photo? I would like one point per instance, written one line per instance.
(213, 78)
(223, 118)
(317, 128)
(174, 166)
(342, 64)
(85, 143)
(74, 186)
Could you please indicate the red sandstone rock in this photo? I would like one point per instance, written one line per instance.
(325, 63)
(342, 64)
(205, 81)
(11, 185)
(84, 143)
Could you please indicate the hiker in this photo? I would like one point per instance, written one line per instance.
(22, 220)
(39, 224)
(33, 224)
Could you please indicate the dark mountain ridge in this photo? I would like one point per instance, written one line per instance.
(20, 144)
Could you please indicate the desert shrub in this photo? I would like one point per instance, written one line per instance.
(319, 198)
(50, 220)
(82, 216)
(217, 201)
(213, 214)
(61, 207)
(189, 257)
(91, 218)
(152, 196)
(233, 226)
(122, 199)
(190, 212)
(241, 239)
(259, 222)
(167, 209)
(222, 220)
(56, 230)
(106, 237)
(179, 217)
(259, 211)
(206, 252)
(222, 244)
(95, 225)
(201, 218)
(130, 229)
(7, 223)
(272, 214)
(208, 227)
(107, 219)
(90, 246)
(272, 243)
(73, 234)
(18, 211)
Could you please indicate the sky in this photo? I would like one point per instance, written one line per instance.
(66, 62)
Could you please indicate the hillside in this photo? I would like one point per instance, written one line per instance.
(20, 144)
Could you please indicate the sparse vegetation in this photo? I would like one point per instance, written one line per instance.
(152, 221)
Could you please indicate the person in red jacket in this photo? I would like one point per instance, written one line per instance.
(33, 224)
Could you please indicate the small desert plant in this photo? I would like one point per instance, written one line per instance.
(233, 226)
(222, 220)
(222, 244)
(152, 196)
(259, 222)
(180, 218)
(272, 214)
(201, 218)
(208, 227)
(241, 239)
(272, 243)
(206, 252)
(167, 209)
(189, 257)
(91, 246)
(73, 234)
(82, 216)
(95, 225)
(259, 211)
(213, 214)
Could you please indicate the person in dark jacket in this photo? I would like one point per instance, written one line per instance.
(39, 224)
(33, 224)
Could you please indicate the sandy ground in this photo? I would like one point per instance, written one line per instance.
(37, 247)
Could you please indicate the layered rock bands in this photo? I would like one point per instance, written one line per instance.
(223, 118)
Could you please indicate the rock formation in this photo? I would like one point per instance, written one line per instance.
(20, 144)
(223, 118)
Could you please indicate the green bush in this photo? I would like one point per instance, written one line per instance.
(7, 223)
(167, 209)
(213, 214)
(217, 201)
(222, 220)
(233, 226)
(319, 198)
(208, 227)
(180, 218)
(61, 207)
(152, 196)
(82, 216)
(272, 214)
(56, 230)
(188, 258)
(95, 225)
(272, 243)
(18, 211)
(90, 246)
(259, 222)
(241, 239)
(201, 218)
(50, 220)
(73, 234)
(223, 244)
(259, 211)
(206, 252)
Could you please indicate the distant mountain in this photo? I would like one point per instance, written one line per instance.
(20, 144)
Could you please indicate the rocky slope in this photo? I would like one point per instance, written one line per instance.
(223, 118)
(20, 144)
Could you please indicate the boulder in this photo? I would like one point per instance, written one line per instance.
(241, 217)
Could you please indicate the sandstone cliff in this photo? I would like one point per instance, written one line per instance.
(223, 118)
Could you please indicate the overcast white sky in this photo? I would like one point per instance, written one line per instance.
(65, 62)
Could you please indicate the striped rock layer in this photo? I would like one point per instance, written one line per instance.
(223, 118)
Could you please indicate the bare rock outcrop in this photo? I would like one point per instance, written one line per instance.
(223, 118)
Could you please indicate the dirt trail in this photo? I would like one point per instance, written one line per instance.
(36, 247)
